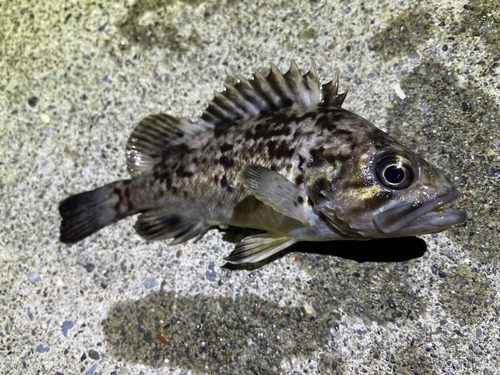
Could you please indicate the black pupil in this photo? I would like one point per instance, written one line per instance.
(394, 175)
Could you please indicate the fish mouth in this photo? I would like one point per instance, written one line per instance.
(411, 219)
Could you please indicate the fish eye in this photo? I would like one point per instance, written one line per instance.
(395, 171)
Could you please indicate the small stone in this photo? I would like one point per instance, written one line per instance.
(94, 354)
(441, 274)
(359, 310)
(434, 269)
(66, 326)
(211, 273)
(42, 349)
(495, 172)
(45, 118)
(150, 283)
(412, 54)
(309, 309)
(149, 337)
(30, 314)
(479, 333)
(399, 91)
(484, 29)
(33, 101)
(91, 370)
(90, 267)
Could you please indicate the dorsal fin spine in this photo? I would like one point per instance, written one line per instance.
(251, 95)
(296, 84)
(261, 85)
(227, 105)
(311, 85)
(277, 81)
(239, 100)
(219, 112)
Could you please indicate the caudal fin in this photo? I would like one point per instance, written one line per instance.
(86, 213)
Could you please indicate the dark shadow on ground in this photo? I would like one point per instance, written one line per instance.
(378, 250)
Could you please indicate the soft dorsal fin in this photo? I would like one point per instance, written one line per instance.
(158, 135)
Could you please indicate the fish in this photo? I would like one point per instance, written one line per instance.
(276, 153)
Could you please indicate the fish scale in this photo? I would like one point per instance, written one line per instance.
(276, 153)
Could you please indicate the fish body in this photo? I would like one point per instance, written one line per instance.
(278, 154)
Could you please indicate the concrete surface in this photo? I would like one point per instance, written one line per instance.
(75, 78)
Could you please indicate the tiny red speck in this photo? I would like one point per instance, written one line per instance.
(163, 339)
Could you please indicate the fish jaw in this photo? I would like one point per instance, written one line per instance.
(411, 219)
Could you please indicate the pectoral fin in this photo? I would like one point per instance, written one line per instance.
(274, 190)
(255, 248)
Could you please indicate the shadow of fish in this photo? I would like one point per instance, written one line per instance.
(275, 153)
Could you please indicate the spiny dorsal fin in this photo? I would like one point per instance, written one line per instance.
(156, 136)
(273, 92)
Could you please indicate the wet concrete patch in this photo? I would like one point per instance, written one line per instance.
(152, 23)
(403, 34)
(214, 334)
(481, 19)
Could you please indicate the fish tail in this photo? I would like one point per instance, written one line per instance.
(86, 213)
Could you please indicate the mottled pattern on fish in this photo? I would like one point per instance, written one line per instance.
(277, 154)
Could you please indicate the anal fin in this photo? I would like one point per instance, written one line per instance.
(161, 225)
(255, 248)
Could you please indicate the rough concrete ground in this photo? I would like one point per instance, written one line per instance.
(75, 78)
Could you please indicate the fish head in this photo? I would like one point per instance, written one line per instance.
(380, 189)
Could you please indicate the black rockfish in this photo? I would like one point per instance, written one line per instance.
(275, 153)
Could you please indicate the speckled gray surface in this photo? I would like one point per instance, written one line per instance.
(75, 77)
